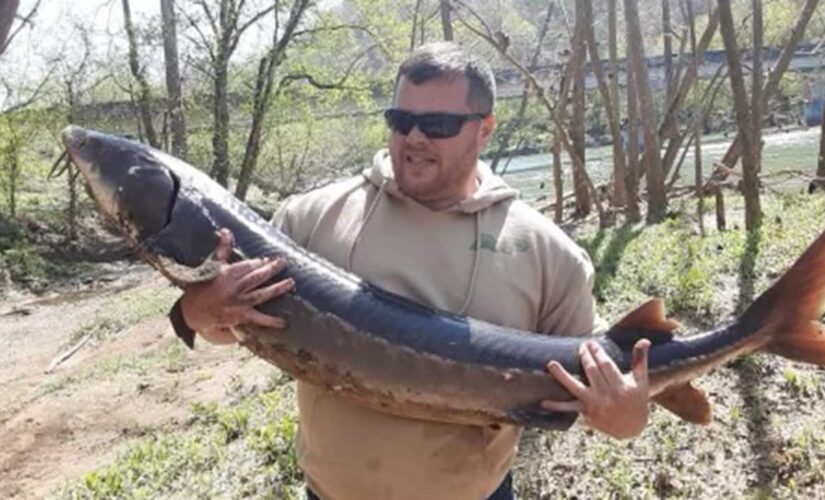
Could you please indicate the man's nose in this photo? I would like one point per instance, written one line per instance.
(416, 136)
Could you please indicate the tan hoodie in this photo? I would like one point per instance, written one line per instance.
(490, 257)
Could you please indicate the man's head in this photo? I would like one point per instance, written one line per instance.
(442, 119)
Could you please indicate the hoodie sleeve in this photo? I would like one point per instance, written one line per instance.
(291, 219)
(570, 308)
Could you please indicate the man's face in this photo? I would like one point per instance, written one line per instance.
(437, 172)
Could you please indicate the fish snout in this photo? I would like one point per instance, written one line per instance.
(74, 137)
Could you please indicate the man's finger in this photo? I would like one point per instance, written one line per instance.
(639, 363)
(569, 382)
(595, 379)
(259, 276)
(270, 292)
(224, 248)
(244, 267)
(256, 317)
(607, 367)
(562, 406)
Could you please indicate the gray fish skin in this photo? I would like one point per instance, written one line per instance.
(353, 338)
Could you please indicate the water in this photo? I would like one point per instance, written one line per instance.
(783, 150)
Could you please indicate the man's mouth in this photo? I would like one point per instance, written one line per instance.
(418, 160)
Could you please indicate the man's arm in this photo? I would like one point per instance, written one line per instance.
(213, 308)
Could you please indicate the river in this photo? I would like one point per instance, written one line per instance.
(792, 149)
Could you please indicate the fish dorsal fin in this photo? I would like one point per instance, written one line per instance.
(646, 321)
(686, 401)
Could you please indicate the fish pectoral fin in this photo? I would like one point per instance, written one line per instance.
(537, 417)
(687, 402)
(804, 342)
(183, 276)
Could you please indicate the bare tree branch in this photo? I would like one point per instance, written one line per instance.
(204, 41)
(209, 15)
(246, 25)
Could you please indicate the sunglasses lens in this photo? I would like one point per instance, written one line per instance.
(400, 121)
(440, 126)
(433, 125)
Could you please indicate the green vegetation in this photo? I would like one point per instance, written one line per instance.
(696, 276)
(125, 309)
(240, 450)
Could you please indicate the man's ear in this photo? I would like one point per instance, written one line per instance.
(488, 126)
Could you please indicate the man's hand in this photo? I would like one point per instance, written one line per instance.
(214, 307)
(613, 403)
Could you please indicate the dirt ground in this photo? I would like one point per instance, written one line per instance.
(56, 426)
(767, 439)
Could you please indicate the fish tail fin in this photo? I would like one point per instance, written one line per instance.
(787, 314)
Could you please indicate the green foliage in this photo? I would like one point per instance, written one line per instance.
(243, 449)
(700, 277)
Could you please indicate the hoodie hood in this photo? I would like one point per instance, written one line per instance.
(492, 188)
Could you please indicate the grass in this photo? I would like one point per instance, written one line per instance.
(766, 441)
(240, 450)
(125, 309)
(696, 275)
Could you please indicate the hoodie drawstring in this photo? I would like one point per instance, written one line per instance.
(367, 217)
(474, 272)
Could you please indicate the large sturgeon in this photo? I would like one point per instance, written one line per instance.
(398, 356)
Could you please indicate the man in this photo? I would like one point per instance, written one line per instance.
(430, 222)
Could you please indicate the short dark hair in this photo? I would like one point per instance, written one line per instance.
(450, 60)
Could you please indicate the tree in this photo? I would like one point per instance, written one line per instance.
(446, 23)
(756, 82)
(177, 117)
(263, 91)
(227, 28)
(753, 210)
(775, 76)
(657, 201)
(577, 126)
(697, 123)
(610, 99)
(144, 95)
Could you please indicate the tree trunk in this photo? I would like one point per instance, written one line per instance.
(775, 76)
(657, 202)
(632, 180)
(612, 110)
(668, 49)
(173, 87)
(666, 127)
(413, 32)
(71, 180)
(263, 96)
(145, 97)
(220, 137)
(446, 23)
(577, 116)
(753, 211)
(721, 223)
(820, 165)
(756, 82)
(8, 9)
(558, 180)
(697, 123)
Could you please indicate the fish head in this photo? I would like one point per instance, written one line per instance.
(126, 180)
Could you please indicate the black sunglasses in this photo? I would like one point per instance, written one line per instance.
(433, 125)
